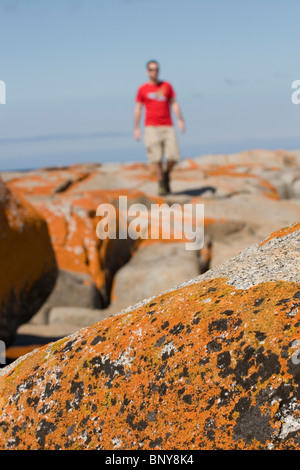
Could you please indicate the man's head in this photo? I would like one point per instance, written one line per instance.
(152, 67)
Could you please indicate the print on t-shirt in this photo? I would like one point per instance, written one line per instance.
(158, 95)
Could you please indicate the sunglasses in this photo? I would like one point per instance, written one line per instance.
(153, 69)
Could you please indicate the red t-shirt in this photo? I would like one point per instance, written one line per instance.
(156, 99)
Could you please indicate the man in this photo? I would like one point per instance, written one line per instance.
(160, 138)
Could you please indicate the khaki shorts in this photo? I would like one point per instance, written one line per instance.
(161, 141)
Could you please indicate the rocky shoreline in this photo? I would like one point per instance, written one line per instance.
(170, 339)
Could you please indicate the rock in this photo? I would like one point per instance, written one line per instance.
(296, 188)
(72, 222)
(76, 316)
(229, 248)
(33, 333)
(71, 289)
(28, 265)
(243, 188)
(247, 216)
(259, 158)
(210, 364)
(246, 196)
(284, 180)
(63, 186)
(154, 267)
(73, 234)
(272, 262)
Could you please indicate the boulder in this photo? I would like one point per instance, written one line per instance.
(28, 264)
(71, 289)
(153, 268)
(210, 364)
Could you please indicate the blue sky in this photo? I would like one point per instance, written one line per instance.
(72, 68)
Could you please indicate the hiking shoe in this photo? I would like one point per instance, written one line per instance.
(166, 180)
(162, 190)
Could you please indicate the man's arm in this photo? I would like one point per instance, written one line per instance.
(137, 118)
(177, 111)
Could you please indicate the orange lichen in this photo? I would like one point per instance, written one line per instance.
(13, 352)
(24, 242)
(43, 183)
(72, 224)
(135, 166)
(201, 367)
(28, 265)
(282, 232)
(192, 164)
(225, 170)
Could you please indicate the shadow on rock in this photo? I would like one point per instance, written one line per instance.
(196, 191)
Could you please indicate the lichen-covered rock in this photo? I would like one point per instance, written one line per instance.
(210, 364)
(28, 265)
(244, 195)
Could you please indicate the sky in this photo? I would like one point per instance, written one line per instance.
(72, 69)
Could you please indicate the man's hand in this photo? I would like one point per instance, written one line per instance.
(137, 118)
(176, 109)
(137, 133)
(181, 125)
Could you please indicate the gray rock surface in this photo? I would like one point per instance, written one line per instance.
(78, 316)
(153, 268)
(71, 289)
(277, 259)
